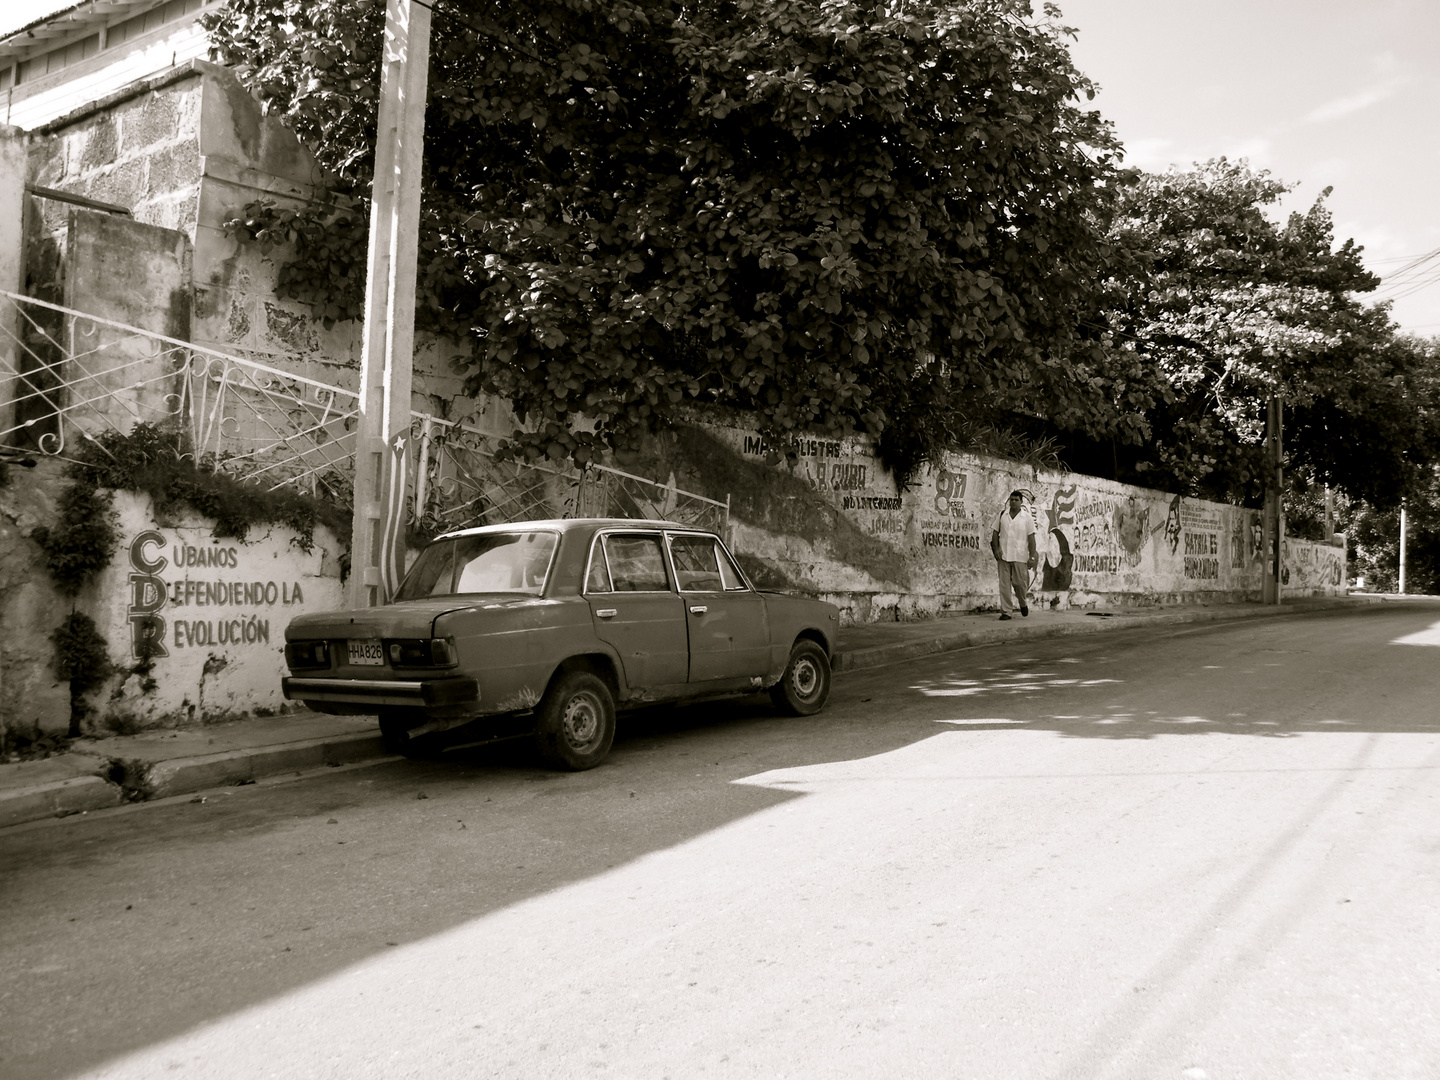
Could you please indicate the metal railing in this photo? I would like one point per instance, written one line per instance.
(609, 492)
(67, 375)
(460, 481)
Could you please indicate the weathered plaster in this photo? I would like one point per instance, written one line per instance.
(216, 607)
(832, 523)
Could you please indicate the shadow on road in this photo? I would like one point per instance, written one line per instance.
(1284, 679)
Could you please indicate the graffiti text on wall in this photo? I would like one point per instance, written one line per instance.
(1202, 555)
(150, 594)
(754, 444)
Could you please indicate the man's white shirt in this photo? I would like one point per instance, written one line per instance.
(1014, 535)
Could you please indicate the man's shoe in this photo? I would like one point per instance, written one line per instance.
(1024, 611)
(1003, 616)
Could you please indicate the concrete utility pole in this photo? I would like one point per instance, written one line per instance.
(1274, 503)
(377, 545)
(1402, 549)
(12, 254)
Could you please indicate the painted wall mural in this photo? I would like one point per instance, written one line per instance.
(1099, 541)
(210, 614)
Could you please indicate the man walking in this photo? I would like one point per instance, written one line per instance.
(1013, 534)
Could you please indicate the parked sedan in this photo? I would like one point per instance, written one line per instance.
(546, 627)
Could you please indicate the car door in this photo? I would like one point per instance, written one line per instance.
(635, 608)
(728, 630)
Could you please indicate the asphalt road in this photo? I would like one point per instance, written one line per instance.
(1208, 852)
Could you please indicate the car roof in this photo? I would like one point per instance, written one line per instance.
(573, 525)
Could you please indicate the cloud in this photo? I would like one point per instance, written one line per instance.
(1354, 103)
(1158, 154)
(1390, 75)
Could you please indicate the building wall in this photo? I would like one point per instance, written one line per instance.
(832, 523)
(188, 150)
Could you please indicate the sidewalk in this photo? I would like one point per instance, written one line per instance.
(95, 774)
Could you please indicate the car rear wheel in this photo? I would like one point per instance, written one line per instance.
(805, 686)
(576, 722)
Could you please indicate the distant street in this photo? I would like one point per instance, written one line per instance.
(1204, 853)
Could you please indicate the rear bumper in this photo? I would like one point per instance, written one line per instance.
(455, 690)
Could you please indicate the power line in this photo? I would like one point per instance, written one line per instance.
(1411, 287)
(1414, 265)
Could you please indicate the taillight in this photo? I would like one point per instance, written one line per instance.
(307, 654)
(423, 652)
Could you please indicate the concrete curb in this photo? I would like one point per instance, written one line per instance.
(180, 776)
(58, 798)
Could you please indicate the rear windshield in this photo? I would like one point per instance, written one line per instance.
(493, 563)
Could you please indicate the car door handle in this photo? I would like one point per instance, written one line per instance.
(698, 609)
(606, 612)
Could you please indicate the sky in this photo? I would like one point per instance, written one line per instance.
(1322, 93)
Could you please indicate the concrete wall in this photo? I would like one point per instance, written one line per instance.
(138, 275)
(138, 151)
(188, 151)
(216, 608)
(833, 524)
(32, 700)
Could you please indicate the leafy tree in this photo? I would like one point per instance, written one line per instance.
(837, 216)
(1215, 307)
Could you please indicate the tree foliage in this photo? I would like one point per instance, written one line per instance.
(1216, 306)
(836, 216)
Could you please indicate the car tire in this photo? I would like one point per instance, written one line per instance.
(805, 686)
(575, 722)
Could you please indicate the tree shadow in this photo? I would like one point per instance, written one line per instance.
(1291, 678)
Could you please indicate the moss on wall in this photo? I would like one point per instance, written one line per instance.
(770, 498)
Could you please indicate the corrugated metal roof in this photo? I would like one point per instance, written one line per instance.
(18, 15)
(28, 26)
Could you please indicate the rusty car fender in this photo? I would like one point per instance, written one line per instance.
(515, 648)
(791, 618)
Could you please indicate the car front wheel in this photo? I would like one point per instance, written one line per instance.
(576, 722)
(805, 686)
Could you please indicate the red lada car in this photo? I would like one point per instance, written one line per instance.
(546, 627)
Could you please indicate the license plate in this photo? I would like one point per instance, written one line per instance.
(367, 653)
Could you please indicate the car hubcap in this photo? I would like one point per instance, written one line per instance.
(805, 678)
(581, 723)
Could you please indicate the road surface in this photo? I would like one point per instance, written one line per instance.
(1207, 852)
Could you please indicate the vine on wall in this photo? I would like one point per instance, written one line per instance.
(326, 267)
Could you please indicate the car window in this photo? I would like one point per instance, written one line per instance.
(637, 563)
(491, 562)
(598, 579)
(432, 573)
(729, 574)
(503, 562)
(703, 565)
(697, 563)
